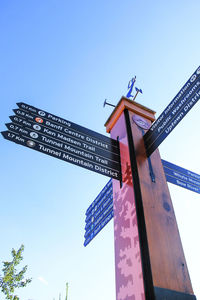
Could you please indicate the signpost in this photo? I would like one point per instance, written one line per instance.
(186, 98)
(149, 259)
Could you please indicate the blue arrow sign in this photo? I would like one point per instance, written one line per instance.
(98, 220)
(99, 213)
(182, 183)
(98, 210)
(107, 189)
(99, 228)
(181, 177)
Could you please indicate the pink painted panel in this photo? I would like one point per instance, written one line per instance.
(128, 269)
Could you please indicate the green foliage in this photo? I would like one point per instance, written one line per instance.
(12, 279)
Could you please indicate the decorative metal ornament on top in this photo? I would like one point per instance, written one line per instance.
(129, 94)
(130, 88)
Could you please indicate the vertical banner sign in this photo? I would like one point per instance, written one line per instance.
(62, 139)
(186, 98)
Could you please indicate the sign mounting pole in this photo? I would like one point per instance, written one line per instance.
(149, 259)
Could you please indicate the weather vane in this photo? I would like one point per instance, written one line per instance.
(130, 87)
(129, 94)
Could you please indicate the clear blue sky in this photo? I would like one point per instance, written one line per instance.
(66, 57)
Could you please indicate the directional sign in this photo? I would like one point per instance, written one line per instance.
(174, 113)
(52, 151)
(100, 198)
(109, 145)
(101, 216)
(55, 152)
(65, 140)
(97, 229)
(99, 213)
(181, 177)
(98, 210)
(63, 146)
(57, 123)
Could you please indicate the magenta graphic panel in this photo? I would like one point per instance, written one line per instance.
(129, 278)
